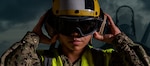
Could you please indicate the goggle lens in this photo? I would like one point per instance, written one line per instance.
(85, 27)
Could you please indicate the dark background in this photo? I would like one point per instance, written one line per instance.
(19, 16)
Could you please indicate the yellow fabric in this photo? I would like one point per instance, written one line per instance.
(42, 58)
(108, 50)
(56, 61)
(107, 54)
(86, 59)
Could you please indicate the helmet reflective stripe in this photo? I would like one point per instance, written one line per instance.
(76, 8)
(72, 4)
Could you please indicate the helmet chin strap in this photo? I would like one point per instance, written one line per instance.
(103, 25)
(90, 42)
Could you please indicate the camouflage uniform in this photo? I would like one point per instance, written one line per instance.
(126, 53)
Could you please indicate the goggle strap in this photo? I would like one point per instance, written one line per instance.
(102, 25)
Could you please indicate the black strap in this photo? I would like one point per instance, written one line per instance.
(47, 61)
(98, 57)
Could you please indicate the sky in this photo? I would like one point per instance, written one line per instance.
(19, 16)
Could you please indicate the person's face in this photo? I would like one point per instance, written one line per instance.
(74, 43)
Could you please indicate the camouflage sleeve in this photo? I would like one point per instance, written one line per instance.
(22, 53)
(131, 53)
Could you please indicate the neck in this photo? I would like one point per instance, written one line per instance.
(72, 55)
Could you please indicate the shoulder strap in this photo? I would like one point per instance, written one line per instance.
(45, 57)
(98, 57)
(47, 61)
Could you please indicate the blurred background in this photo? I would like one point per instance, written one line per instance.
(19, 16)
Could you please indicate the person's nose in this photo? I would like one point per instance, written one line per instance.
(75, 34)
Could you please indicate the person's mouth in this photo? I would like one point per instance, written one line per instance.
(76, 41)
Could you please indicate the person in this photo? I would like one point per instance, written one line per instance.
(74, 23)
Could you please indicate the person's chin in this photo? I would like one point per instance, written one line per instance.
(76, 48)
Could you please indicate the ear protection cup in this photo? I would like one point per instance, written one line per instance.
(50, 23)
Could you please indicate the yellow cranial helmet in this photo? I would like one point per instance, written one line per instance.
(76, 8)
